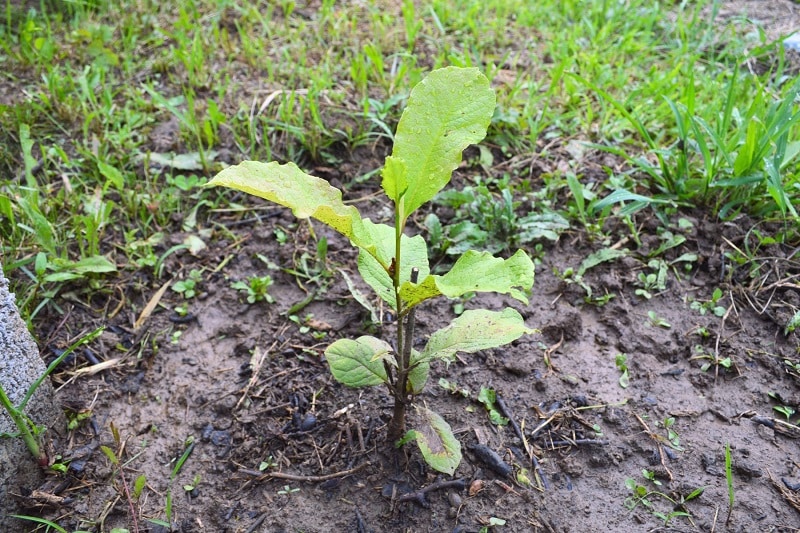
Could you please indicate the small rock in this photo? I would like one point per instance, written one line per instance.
(454, 499)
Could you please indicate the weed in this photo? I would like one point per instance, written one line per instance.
(656, 321)
(652, 282)
(709, 359)
(672, 436)
(647, 497)
(256, 288)
(188, 287)
(711, 305)
(287, 490)
(446, 112)
(484, 221)
(488, 397)
(729, 481)
(621, 361)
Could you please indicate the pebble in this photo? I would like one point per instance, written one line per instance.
(454, 499)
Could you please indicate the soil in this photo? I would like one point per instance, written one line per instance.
(275, 444)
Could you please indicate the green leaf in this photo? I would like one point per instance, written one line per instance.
(418, 376)
(446, 112)
(477, 329)
(358, 363)
(112, 174)
(439, 447)
(600, 256)
(370, 264)
(475, 272)
(307, 196)
(68, 270)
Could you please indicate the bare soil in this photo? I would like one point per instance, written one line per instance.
(277, 445)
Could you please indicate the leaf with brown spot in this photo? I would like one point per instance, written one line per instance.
(436, 441)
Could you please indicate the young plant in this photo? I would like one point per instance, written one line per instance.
(256, 288)
(446, 112)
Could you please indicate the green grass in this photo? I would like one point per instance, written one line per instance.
(85, 90)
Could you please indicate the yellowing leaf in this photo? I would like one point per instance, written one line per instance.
(307, 196)
(439, 447)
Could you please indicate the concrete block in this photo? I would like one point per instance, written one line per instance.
(20, 366)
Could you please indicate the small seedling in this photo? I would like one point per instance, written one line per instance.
(710, 359)
(188, 286)
(729, 481)
(711, 305)
(621, 360)
(672, 435)
(785, 410)
(642, 495)
(652, 282)
(287, 490)
(453, 388)
(189, 487)
(256, 288)
(657, 321)
(491, 523)
(488, 397)
(266, 465)
(446, 112)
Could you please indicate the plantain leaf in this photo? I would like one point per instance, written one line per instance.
(475, 272)
(446, 112)
(358, 363)
(436, 441)
(476, 329)
(306, 195)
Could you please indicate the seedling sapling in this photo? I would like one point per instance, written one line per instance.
(449, 110)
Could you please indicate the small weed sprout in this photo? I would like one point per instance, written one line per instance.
(189, 286)
(644, 496)
(446, 112)
(621, 361)
(256, 288)
(657, 321)
(287, 490)
(711, 305)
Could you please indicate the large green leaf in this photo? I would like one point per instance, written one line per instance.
(476, 329)
(306, 195)
(475, 272)
(358, 363)
(436, 441)
(446, 112)
(370, 264)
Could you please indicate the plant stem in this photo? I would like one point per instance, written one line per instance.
(20, 420)
(405, 341)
